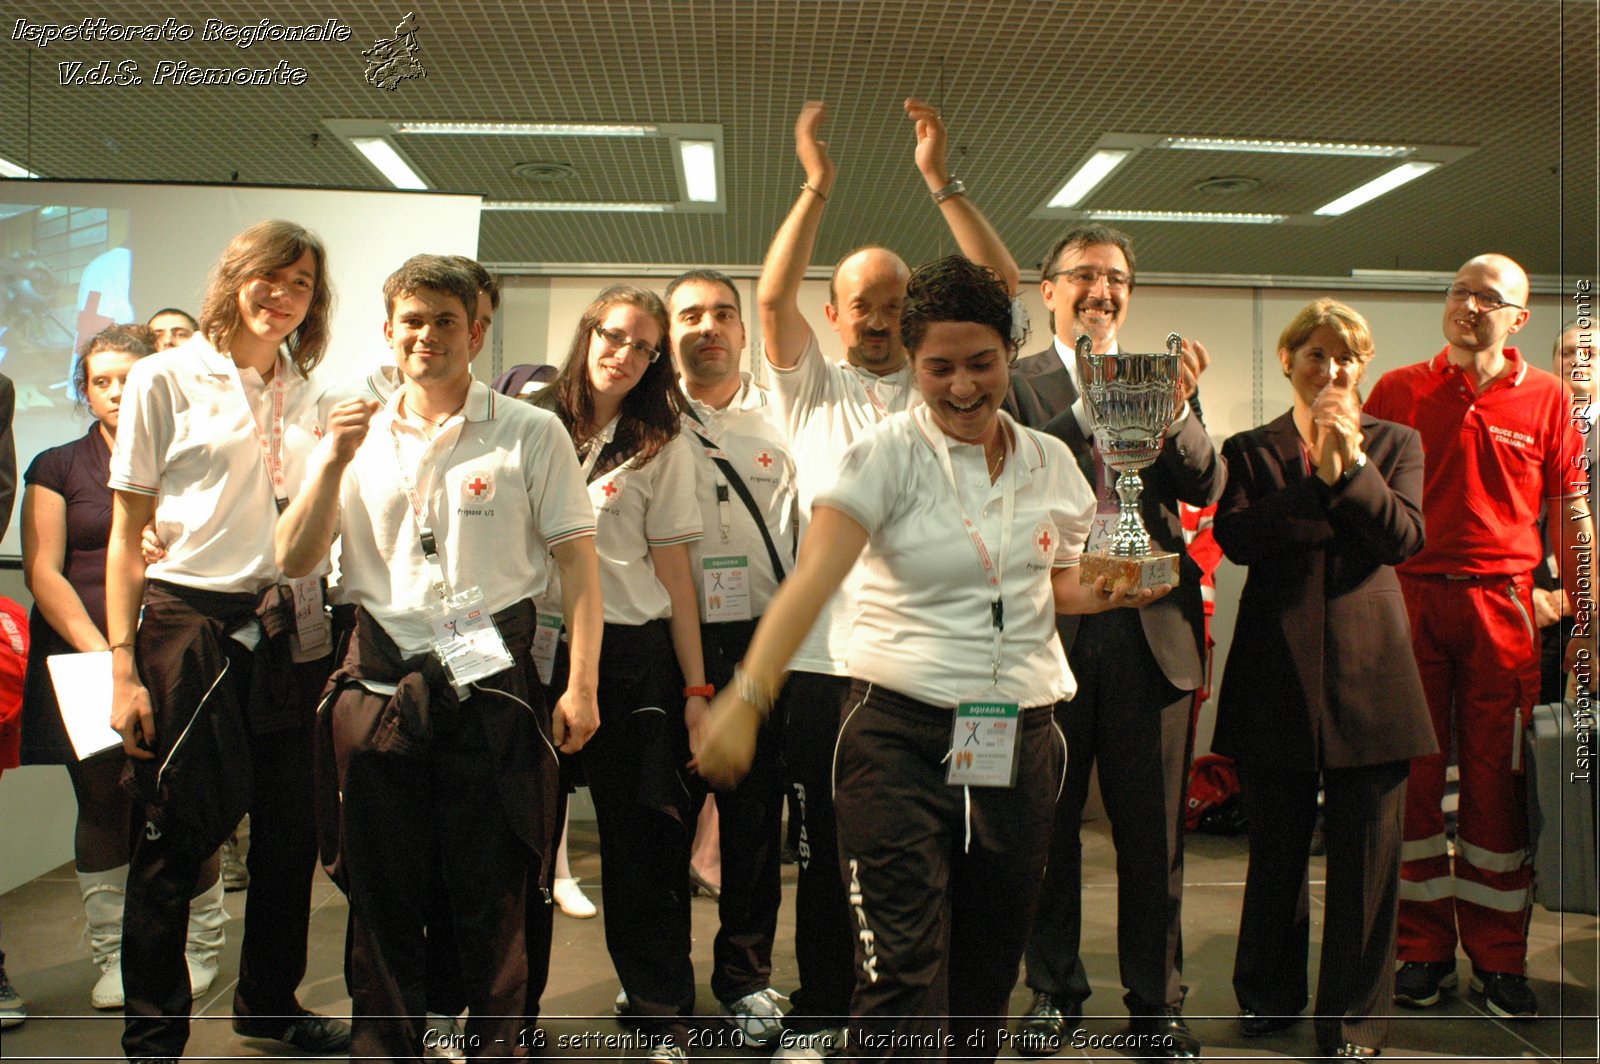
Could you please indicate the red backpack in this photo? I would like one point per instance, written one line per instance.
(1213, 805)
(13, 666)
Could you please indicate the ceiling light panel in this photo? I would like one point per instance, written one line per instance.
(1385, 183)
(1287, 147)
(388, 162)
(1088, 176)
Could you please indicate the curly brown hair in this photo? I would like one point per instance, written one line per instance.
(955, 288)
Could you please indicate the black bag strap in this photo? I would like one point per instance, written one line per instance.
(736, 482)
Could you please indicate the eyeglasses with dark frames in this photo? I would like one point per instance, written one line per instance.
(618, 340)
(1088, 276)
(1487, 301)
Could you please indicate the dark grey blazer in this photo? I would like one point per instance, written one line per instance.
(1321, 673)
(1188, 469)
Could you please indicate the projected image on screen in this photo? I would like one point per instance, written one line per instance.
(66, 272)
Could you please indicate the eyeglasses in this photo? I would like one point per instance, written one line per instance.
(618, 341)
(1088, 276)
(1487, 301)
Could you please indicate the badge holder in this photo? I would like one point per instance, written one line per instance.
(466, 640)
(546, 637)
(312, 637)
(984, 744)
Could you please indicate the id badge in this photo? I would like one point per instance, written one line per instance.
(983, 748)
(725, 581)
(466, 640)
(312, 637)
(545, 638)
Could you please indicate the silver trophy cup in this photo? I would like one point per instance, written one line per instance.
(1131, 400)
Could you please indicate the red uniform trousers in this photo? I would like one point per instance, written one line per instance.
(1478, 654)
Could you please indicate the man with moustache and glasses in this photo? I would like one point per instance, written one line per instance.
(1137, 673)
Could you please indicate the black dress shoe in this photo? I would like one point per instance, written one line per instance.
(1350, 1049)
(1164, 1036)
(1047, 1021)
(307, 1032)
(1253, 1024)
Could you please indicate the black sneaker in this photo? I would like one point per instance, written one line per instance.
(1045, 1024)
(1418, 984)
(1506, 994)
(308, 1032)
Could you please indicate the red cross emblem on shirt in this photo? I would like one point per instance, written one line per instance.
(1044, 541)
(764, 459)
(477, 485)
(609, 487)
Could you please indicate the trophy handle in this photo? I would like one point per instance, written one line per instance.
(1174, 344)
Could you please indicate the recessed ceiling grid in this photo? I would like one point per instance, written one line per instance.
(1027, 88)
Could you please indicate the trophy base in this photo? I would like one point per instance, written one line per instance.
(1144, 571)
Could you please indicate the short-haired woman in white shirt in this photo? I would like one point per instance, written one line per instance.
(947, 764)
(618, 396)
(214, 704)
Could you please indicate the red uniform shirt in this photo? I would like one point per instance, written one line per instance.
(1491, 459)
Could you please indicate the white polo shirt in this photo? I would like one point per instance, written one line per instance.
(924, 623)
(751, 442)
(635, 509)
(823, 406)
(189, 435)
(499, 486)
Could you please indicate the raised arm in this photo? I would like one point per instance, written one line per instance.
(306, 529)
(974, 235)
(778, 291)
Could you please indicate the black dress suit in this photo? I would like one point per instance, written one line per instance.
(1136, 673)
(1320, 687)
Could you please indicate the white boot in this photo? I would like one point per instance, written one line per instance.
(203, 950)
(103, 894)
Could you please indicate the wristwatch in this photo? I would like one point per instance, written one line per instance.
(1353, 468)
(955, 188)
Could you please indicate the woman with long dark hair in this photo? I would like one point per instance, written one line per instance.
(216, 659)
(619, 399)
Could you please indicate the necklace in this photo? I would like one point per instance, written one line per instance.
(997, 463)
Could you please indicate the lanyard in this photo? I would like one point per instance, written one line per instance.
(713, 450)
(425, 536)
(597, 443)
(876, 400)
(993, 566)
(271, 441)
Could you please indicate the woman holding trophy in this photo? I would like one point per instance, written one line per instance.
(968, 527)
(1321, 690)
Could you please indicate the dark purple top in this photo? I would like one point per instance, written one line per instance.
(79, 472)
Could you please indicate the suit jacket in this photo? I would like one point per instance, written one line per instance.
(1321, 673)
(1188, 469)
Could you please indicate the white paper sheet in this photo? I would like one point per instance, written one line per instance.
(83, 691)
